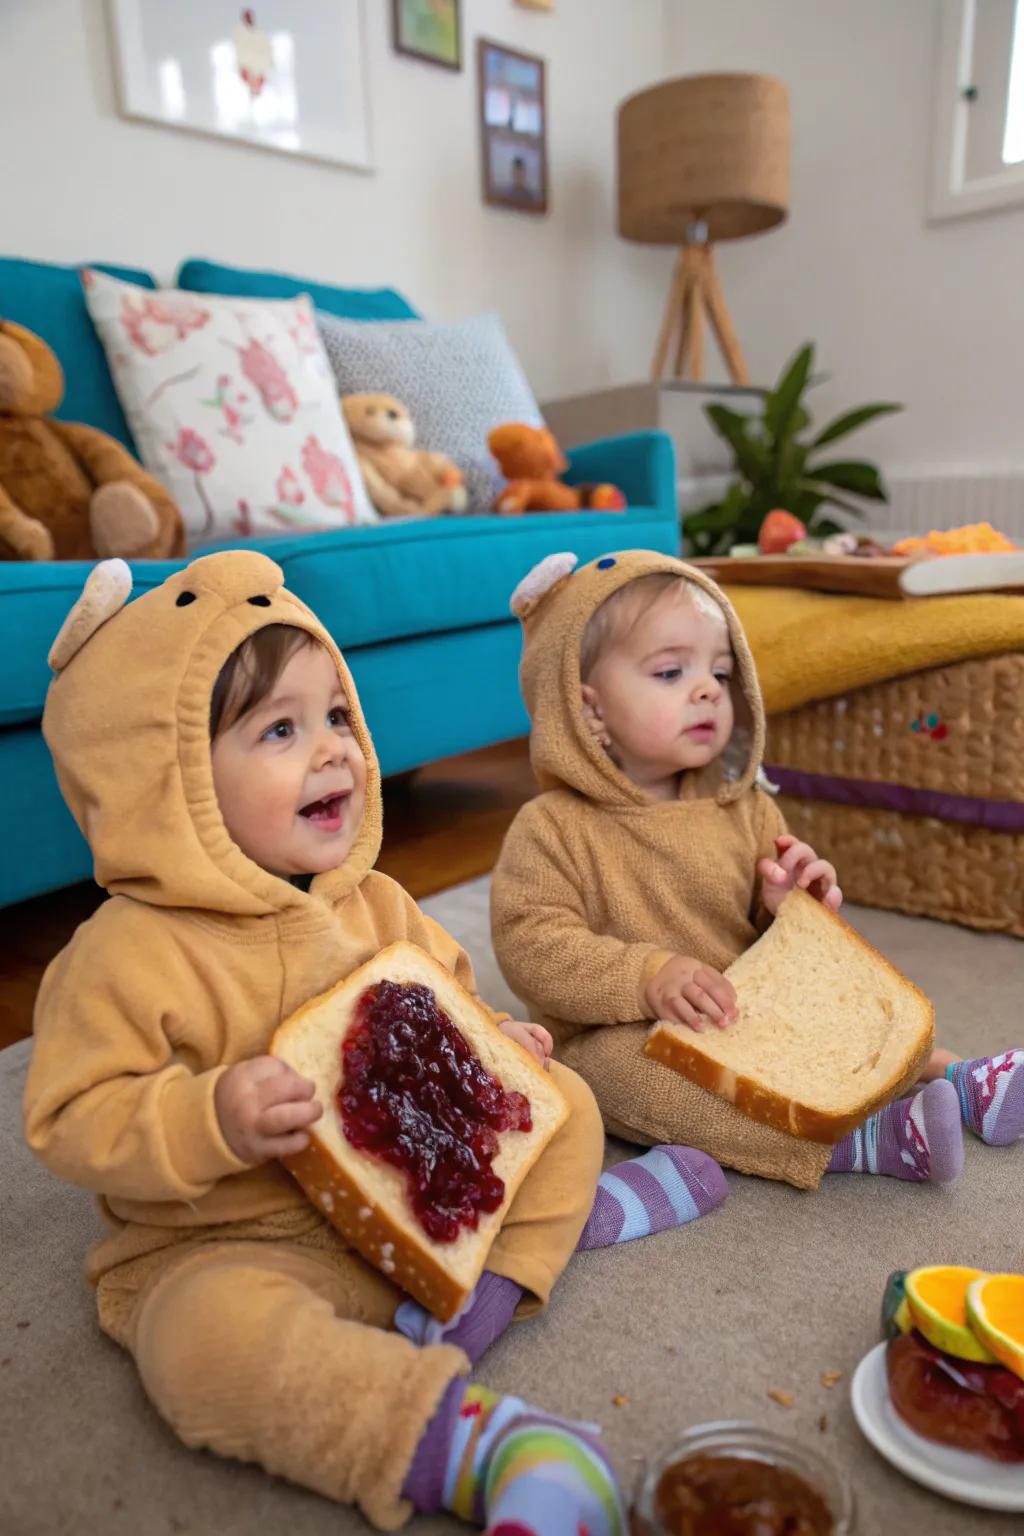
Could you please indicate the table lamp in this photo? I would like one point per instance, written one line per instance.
(702, 159)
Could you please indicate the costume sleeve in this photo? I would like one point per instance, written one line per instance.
(546, 949)
(109, 1102)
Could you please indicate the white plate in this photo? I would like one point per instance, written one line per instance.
(956, 1474)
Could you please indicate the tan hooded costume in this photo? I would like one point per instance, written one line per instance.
(598, 885)
(246, 1314)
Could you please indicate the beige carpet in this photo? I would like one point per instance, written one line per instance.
(698, 1324)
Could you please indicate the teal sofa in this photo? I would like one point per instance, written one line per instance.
(419, 608)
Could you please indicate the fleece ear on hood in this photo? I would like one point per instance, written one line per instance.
(127, 720)
(555, 602)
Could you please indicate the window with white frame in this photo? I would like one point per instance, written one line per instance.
(978, 161)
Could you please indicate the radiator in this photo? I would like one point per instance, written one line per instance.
(918, 501)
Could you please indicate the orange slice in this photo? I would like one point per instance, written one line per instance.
(937, 1299)
(995, 1310)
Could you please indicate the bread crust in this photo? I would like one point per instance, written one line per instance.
(679, 1048)
(414, 1263)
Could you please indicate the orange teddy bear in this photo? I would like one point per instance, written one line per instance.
(530, 458)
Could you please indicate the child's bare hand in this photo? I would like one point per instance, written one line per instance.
(692, 993)
(797, 866)
(532, 1037)
(263, 1106)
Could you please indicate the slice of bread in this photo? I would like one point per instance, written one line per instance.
(366, 1198)
(827, 1032)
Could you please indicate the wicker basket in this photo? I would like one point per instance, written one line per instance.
(915, 790)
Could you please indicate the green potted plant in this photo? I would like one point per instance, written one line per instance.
(778, 468)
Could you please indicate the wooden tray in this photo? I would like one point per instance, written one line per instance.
(882, 576)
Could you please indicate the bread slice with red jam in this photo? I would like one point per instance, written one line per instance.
(432, 1120)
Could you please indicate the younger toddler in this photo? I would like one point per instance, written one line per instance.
(653, 858)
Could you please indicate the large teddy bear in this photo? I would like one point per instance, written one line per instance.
(402, 480)
(67, 491)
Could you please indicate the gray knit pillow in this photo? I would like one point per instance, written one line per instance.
(458, 381)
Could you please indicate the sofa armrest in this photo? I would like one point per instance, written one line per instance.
(641, 464)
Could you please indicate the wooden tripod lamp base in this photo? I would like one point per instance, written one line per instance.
(695, 292)
(702, 159)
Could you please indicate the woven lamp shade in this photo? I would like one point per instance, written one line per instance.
(707, 148)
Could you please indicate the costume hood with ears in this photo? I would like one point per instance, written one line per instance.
(127, 720)
(555, 602)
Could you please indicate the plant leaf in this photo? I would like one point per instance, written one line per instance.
(851, 420)
(854, 475)
(781, 404)
(826, 493)
(751, 457)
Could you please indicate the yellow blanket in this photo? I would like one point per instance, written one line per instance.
(816, 645)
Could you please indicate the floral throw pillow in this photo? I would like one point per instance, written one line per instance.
(233, 405)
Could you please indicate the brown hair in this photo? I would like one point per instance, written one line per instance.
(618, 613)
(251, 671)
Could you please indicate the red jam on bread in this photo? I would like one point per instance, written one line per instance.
(415, 1095)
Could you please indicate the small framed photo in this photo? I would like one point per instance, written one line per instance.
(513, 128)
(537, 5)
(430, 30)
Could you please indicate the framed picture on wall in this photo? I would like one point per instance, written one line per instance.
(430, 30)
(513, 128)
(287, 75)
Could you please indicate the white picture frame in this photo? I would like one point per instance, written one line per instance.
(284, 75)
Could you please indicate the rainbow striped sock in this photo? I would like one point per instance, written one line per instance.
(496, 1462)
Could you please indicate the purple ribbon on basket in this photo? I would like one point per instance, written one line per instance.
(967, 810)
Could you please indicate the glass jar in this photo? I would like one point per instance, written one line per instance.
(751, 1443)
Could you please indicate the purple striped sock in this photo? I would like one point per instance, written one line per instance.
(914, 1139)
(991, 1091)
(483, 1319)
(667, 1187)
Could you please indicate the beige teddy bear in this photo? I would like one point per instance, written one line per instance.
(402, 480)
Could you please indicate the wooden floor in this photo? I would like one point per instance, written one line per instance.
(441, 827)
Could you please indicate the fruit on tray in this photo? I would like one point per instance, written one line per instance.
(969, 539)
(778, 531)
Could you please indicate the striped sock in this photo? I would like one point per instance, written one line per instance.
(483, 1318)
(991, 1092)
(667, 1187)
(496, 1462)
(914, 1139)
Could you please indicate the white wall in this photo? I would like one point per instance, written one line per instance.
(81, 183)
(931, 315)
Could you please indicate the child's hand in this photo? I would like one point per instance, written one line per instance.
(262, 1106)
(691, 993)
(797, 865)
(533, 1037)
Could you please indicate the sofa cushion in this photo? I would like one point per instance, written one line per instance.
(48, 299)
(458, 381)
(370, 586)
(239, 282)
(233, 406)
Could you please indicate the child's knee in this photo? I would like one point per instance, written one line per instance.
(584, 1129)
(200, 1332)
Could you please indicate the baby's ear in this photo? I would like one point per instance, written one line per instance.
(104, 594)
(592, 715)
(551, 573)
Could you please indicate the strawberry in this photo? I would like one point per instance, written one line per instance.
(778, 531)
